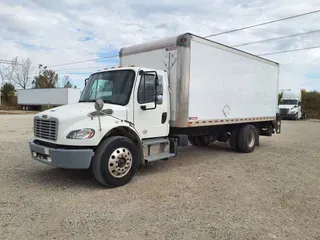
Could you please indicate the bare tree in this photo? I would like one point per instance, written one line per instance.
(22, 72)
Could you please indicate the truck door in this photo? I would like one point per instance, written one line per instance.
(151, 119)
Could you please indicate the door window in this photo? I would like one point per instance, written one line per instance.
(146, 91)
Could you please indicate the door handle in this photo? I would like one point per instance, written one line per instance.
(164, 117)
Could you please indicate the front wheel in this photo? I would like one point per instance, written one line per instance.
(115, 162)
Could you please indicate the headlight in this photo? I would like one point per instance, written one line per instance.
(84, 133)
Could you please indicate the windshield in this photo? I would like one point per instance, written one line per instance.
(289, 102)
(112, 87)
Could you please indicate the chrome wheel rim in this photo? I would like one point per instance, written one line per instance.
(251, 139)
(120, 162)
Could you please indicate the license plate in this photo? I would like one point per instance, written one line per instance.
(42, 157)
(46, 151)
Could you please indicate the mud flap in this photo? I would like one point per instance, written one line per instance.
(277, 124)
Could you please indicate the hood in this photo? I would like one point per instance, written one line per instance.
(286, 106)
(79, 111)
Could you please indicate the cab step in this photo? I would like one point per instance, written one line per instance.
(158, 149)
(153, 141)
(160, 156)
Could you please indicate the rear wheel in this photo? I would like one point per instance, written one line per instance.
(115, 162)
(247, 138)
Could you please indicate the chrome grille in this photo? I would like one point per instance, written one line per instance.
(46, 128)
(284, 111)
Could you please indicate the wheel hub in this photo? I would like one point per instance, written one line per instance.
(251, 139)
(120, 162)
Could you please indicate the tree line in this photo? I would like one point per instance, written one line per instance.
(17, 75)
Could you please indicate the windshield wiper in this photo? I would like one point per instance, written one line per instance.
(91, 100)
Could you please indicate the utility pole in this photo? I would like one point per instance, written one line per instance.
(7, 69)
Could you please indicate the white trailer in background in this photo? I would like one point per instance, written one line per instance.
(36, 98)
(182, 89)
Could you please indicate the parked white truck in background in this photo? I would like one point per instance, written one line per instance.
(34, 99)
(290, 105)
(181, 88)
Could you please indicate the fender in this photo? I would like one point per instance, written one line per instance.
(129, 132)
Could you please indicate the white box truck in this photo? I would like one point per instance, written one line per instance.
(36, 98)
(290, 105)
(182, 89)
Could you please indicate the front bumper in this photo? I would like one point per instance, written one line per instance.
(289, 116)
(62, 158)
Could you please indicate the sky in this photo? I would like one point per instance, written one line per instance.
(64, 31)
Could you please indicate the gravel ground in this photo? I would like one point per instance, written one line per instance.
(204, 193)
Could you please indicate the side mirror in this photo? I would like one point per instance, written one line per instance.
(159, 99)
(86, 81)
(98, 105)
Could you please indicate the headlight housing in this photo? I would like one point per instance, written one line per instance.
(293, 110)
(84, 133)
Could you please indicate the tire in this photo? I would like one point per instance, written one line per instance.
(115, 161)
(192, 141)
(234, 140)
(247, 138)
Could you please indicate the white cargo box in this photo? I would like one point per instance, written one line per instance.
(211, 84)
(48, 96)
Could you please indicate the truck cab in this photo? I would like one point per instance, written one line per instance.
(132, 107)
(290, 105)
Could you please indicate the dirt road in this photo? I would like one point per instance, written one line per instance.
(204, 193)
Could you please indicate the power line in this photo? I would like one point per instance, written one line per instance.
(83, 61)
(264, 54)
(286, 51)
(261, 24)
(70, 69)
(3, 61)
(277, 38)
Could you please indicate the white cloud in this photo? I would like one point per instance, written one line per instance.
(54, 32)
